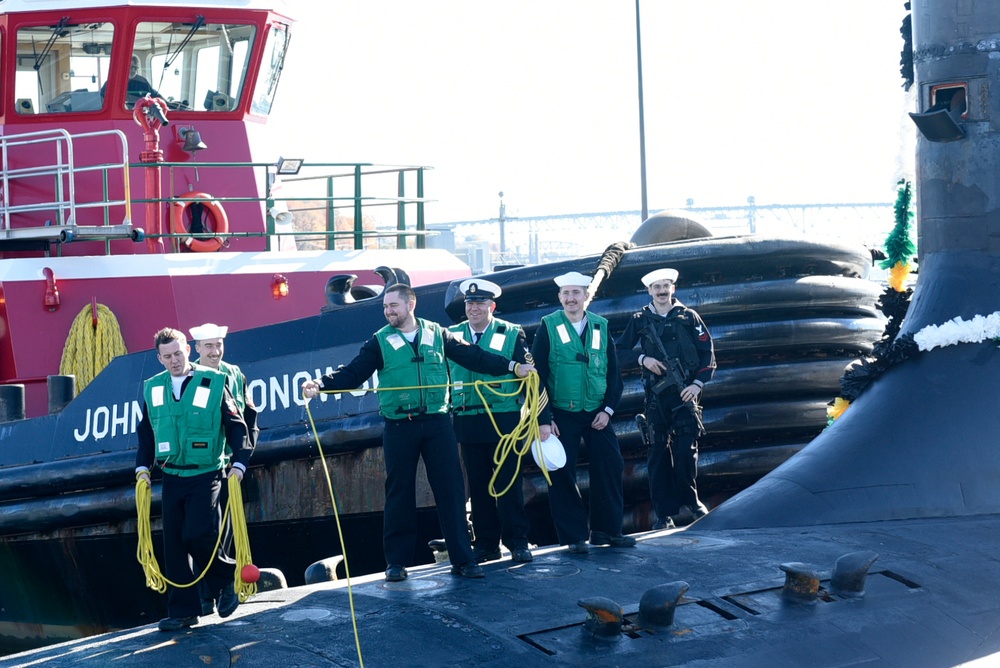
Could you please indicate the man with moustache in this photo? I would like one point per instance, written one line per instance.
(503, 517)
(412, 353)
(669, 333)
(578, 367)
(209, 343)
(189, 420)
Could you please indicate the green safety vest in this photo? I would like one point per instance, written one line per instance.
(188, 435)
(500, 337)
(401, 367)
(237, 383)
(575, 385)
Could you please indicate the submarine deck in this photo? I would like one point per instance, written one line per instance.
(928, 602)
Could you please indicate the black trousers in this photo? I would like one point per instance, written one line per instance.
(606, 470)
(493, 519)
(405, 442)
(192, 519)
(672, 460)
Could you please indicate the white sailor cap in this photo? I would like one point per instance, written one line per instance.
(573, 278)
(208, 331)
(660, 275)
(479, 290)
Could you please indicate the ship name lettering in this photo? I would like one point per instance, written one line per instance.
(114, 420)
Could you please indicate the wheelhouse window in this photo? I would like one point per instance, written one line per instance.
(195, 65)
(270, 69)
(62, 67)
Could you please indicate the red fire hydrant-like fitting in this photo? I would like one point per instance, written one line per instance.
(151, 114)
(51, 299)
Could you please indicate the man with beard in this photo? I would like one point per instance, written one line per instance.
(578, 367)
(503, 517)
(411, 354)
(677, 359)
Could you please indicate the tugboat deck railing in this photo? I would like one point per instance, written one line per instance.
(326, 187)
(63, 170)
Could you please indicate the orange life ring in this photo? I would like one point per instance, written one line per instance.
(213, 207)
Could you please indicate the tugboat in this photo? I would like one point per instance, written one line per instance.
(199, 241)
(133, 182)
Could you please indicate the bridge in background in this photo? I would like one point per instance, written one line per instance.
(532, 240)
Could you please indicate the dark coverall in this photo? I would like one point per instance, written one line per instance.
(673, 454)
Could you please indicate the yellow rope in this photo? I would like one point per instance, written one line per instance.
(340, 534)
(531, 413)
(241, 539)
(518, 441)
(90, 348)
(155, 579)
(144, 553)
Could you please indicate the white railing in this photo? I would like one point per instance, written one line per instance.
(64, 171)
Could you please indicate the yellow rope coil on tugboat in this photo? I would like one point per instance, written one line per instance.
(94, 340)
(155, 579)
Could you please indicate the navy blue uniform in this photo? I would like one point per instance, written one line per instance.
(606, 464)
(502, 518)
(406, 441)
(673, 454)
(192, 514)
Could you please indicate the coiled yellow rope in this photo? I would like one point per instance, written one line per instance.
(155, 579)
(241, 539)
(144, 553)
(89, 347)
(517, 442)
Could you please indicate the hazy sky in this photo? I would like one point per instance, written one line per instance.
(790, 101)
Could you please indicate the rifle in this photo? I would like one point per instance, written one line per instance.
(675, 379)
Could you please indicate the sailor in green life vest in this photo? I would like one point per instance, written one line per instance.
(578, 367)
(189, 419)
(503, 518)
(412, 353)
(209, 342)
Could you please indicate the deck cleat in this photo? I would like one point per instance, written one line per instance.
(604, 617)
(850, 572)
(658, 605)
(801, 583)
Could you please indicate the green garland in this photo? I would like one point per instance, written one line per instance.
(898, 246)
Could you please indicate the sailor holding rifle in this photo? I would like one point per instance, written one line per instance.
(677, 359)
